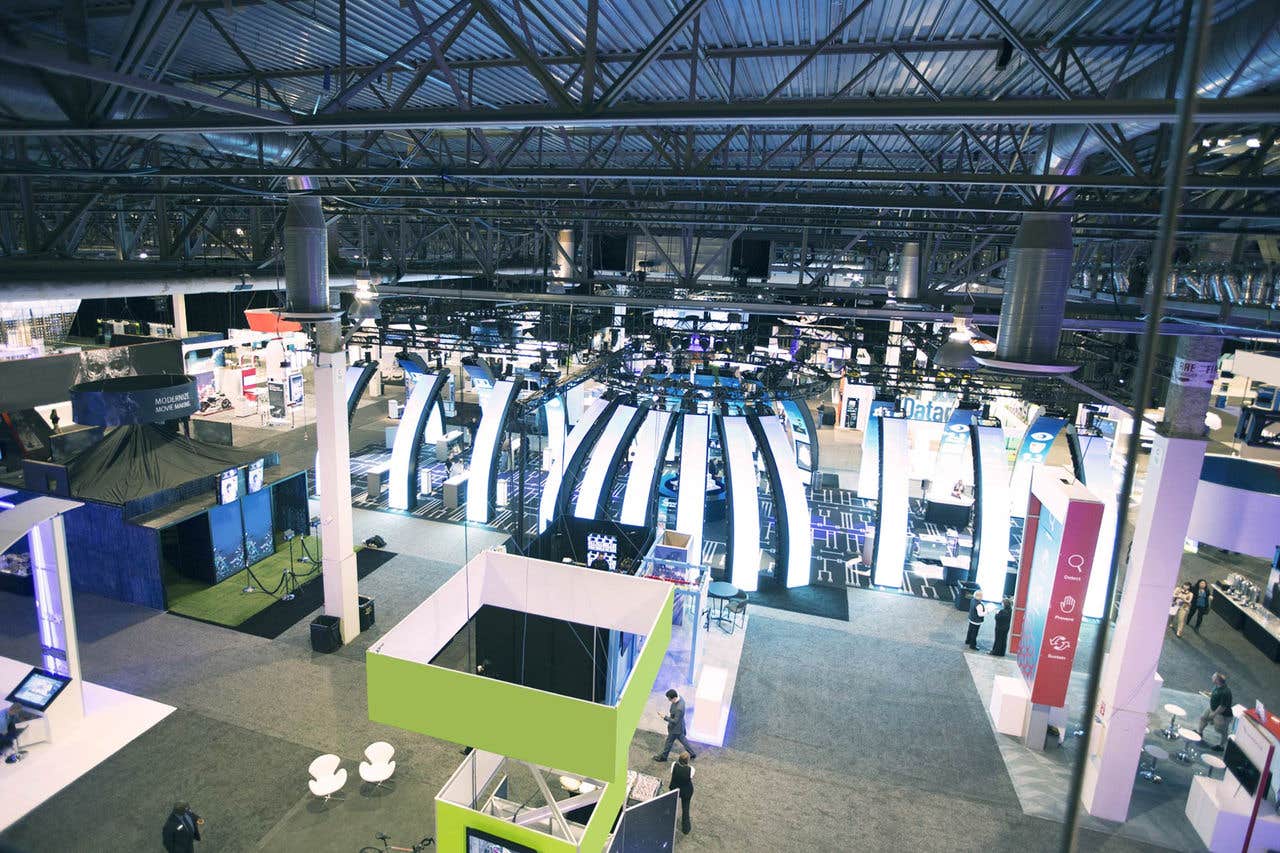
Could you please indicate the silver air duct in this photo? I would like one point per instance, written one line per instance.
(1035, 296)
(909, 271)
(306, 266)
(1249, 40)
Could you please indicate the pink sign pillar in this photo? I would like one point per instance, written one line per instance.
(1129, 683)
(1052, 580)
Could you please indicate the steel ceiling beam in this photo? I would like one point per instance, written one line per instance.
(651, 52)
(950, 111)
(1244, 181)
(46, 62)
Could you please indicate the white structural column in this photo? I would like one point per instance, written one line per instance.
(651, 448)
(744, 502)
(180, 329)
(691, 497)
(991, 474)
(333, 476)
(1129, 679)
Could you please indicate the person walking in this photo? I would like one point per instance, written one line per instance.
(1003, 618)
(977, 613)
(1200, 603)
(1182, 600)
(675, 727)
(182, 829)
(1219, 713)
(682, 780)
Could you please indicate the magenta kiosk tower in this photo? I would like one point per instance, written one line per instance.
(1061, 534)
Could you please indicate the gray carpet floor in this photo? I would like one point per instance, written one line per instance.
(844, 736)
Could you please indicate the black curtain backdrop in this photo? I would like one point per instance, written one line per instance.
(206, 312)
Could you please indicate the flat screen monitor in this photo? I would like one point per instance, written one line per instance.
(229, 486)
(649, 827)
(38, 690)
(1238, 765)
(255, 475)
(483, 842)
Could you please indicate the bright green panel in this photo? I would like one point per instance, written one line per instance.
(519, 722)
(452, 821)
(640, 685)
(603, 815)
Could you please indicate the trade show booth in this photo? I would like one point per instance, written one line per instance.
(527, 714)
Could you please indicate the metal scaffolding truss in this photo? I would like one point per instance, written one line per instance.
(463, 130)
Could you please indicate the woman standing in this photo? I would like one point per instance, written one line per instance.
(682, 780)
(1199, 603)
(1182, 607)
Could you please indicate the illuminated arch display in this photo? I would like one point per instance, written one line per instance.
(403, 478)
(790, 503)
(482, 483)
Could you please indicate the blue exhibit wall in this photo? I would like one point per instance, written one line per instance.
(108, 556)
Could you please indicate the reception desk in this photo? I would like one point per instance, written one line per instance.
(1219, 811)
(1260, 627)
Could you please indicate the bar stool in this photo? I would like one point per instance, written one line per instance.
(1212, 763)
(1191, 739)
(1156, 754)
(1174, 712)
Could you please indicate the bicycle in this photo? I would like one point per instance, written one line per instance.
(388, 847)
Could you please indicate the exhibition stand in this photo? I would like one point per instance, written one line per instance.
(1237, 811)
(522, 713)
(67, 726)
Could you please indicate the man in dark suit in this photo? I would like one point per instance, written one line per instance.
(675, 727)
(182, 829)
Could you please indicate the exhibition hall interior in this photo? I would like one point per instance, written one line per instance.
(615, 426)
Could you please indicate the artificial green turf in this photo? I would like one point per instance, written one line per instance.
(225, 603)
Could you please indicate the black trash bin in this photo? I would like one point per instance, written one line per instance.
(326, 634)
(964, 594)
(366, 613)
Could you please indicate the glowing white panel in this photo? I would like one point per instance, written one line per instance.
(891, 525)
(601, 461)
(651, 445)
(869, 467)
(1096, 453)
(692, 502)
(744, 503)
(555, 477)
(793, 504)
(993, 509)
(403, 471)
(554, 451)
(435, 425)
(484, 450)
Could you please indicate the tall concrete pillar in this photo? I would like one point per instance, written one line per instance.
(1129, 683)
(307, 285)
(180, 315)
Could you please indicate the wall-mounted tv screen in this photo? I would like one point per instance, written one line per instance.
(229, 486)
(1238, 765)
(255, 475)
(483, 842)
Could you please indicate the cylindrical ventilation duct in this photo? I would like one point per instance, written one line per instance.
(306, 252)
(909, 271)
(564, 264)
(1035, 295)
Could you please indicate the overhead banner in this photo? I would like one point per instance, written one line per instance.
(133, 400)
(1036, 444)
